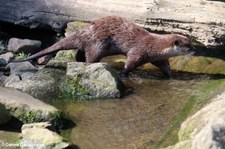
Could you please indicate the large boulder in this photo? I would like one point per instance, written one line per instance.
(38, 136)
(96, 80)
(26, 108)
(26, 46)
(205, 129)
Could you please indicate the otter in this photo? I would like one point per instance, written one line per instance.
(115, 35)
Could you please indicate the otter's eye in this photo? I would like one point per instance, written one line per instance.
(177, 42)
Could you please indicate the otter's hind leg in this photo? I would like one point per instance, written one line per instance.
(164, 66)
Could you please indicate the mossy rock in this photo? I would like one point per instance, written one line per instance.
(28, 109)
(96, 80)
(44, 84)
(66, 55)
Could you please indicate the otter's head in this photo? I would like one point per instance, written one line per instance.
(179, 45)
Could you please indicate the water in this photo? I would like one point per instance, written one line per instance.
(139, 119)
(150, 116)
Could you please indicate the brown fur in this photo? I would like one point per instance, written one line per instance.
(115, 35)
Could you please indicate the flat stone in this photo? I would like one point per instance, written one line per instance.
(36, 135)
(26, 108)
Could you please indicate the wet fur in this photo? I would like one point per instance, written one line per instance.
(115, 35)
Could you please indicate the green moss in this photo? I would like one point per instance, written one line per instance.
(72, 87)
(56, 64)
(36, 116)
(68, 55)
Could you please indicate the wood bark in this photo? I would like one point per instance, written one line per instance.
(204, 20)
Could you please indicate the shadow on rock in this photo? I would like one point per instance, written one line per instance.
(14, 125)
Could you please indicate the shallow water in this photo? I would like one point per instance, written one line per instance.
(140, 118)
(150, 116)
(10, 135)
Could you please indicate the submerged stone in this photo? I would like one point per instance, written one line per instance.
(96, 80)
(26, 108)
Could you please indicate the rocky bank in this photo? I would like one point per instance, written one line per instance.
(205, 129)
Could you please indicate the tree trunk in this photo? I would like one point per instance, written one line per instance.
(202, 19)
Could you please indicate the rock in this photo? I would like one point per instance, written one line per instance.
(2, 78)
(206, 128)
(4, 115)
(23, 69)
(2, 46)
(26, 108)
(75, 26)
(37, 125)
(19, 71)
(5, 58)
(212, 136)
(66, 55)
(97, 80)
(24, 45)
(37, 135)
(181, 145)
(43, 84)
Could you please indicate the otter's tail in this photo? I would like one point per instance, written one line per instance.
(70, 42)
